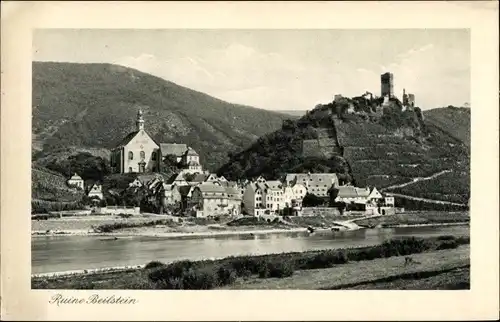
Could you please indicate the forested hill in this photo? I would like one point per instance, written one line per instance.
(365, 143)
(95, 105)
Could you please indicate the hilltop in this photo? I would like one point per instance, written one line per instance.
(453, 120)
(83, 106)
(366, 144)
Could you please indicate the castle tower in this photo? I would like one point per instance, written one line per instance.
(387, 84)
(405, 98)
(140, 121)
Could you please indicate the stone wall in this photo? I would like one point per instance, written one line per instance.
(114, 210)
(316, 211)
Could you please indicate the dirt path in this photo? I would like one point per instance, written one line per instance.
(415, 180)
(425, 200)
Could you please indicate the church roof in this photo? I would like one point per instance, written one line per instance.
(127, 139)
(173, 148)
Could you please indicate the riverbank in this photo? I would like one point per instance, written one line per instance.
(179, 228)
(244, 231)
(211, 273)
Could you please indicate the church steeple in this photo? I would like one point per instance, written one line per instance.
(140, 121)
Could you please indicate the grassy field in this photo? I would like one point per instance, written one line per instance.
(417, 218)
(455, 279)
(344, 276)
(307, 270)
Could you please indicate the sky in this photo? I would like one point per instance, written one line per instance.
(280, 69)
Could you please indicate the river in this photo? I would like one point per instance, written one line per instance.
(67, 253)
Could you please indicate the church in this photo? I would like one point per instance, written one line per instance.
(139, 153)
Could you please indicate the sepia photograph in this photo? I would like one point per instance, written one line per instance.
(251, 159)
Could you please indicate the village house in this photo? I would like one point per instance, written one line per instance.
(351, 194)
(389, 201)
(170, 195)
(375, 197)
(296, 192)
(233, 200)
(316, 183)
(208, 200)
(76, 181)
(254, 197)
(274, 200)
(95, 190)
(139, 153)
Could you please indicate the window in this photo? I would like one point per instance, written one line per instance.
(131, 155)
(153, 155)
(143, 155)
(130, 168)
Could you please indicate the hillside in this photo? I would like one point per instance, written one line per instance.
(369, 146)
(95, 105)
(453, 120)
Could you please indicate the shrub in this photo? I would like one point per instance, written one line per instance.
(226, 275)
(176, 269)
(327, 259)
(277, 269)
(446, 237)
(247, 265)
(199, 280)
(447, 244)
(154, 264)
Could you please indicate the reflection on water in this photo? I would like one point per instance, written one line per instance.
(62, 253)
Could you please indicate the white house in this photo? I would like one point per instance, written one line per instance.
(296, 192)
(254, 197)
(375, 196)
(274, 199)
(76, 180)
(389, 201)
(95, 191)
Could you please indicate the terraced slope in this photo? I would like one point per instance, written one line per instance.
(370, 147)
(51, 186)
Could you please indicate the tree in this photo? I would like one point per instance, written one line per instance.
(311, 200)
(332, 194)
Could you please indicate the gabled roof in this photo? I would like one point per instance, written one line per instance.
(75, 177)
(199, 177)
(173, 148)
(210, 187)
(232, 191)
(146, 178)
(179, 177)
(274, 184)
(191, 152)
(193, 163)
(171, 178)
(184, 190)
(352, 192)
(127, 139)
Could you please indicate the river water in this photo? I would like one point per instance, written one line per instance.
(67, 253)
